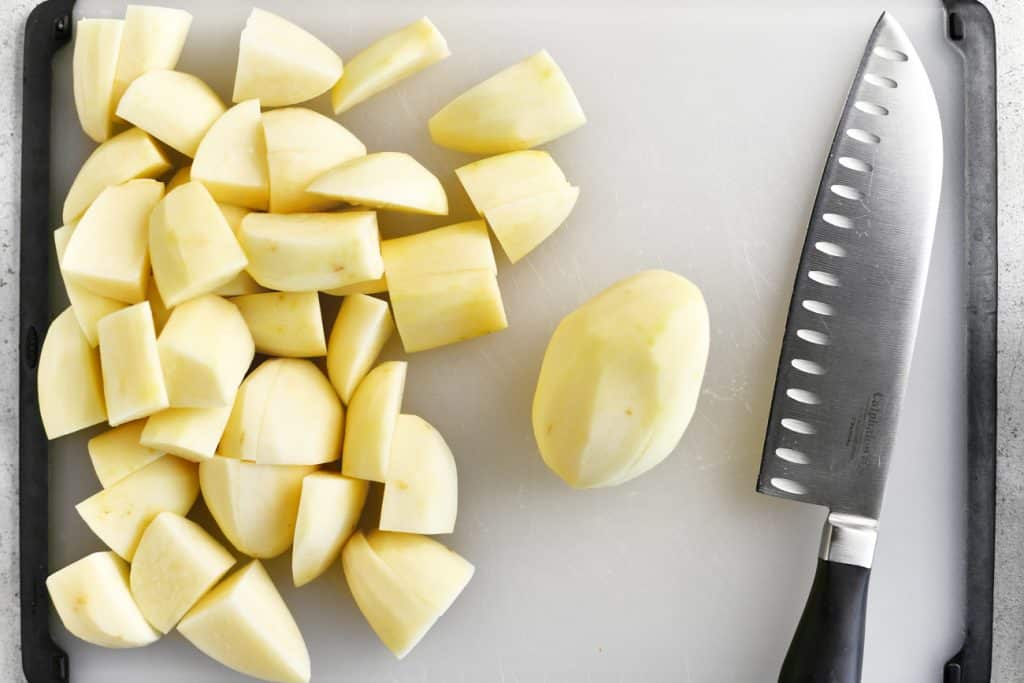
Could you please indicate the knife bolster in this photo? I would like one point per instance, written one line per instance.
(849, 539)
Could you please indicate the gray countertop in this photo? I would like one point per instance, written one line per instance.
(1009, 618)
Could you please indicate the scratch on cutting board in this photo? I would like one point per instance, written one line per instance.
(752, 272)
(579, 274)
(540, 278)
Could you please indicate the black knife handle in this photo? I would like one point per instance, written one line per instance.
(829, 640)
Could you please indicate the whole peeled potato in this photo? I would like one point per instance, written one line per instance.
(620, 379)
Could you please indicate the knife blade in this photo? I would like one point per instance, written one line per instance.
(850, 337)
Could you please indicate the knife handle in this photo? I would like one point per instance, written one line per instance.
(829, 640)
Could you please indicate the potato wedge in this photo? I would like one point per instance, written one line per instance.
(69, 382)
(421, 495)
(153, 39)
(107, 252)
(118, 452)
(231, 160)
(245, 625)
(359, 333)
(281, 64)
(94, 603)
(120, 514)
(132, 378)
(385, 180)
(387, 61)
(174, 107)
(189, 433)
(284, 323)
(97, 45)
(522, 225)
(370, 426)
(525, 105)
(510, 177)
(312, 251)
(329, 511)
(301, 146)
(126, 156)
(88, 307)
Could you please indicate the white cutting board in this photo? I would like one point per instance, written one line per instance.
(708, 129)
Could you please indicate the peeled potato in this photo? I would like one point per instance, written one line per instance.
(245, 625)
(93, 601)
(153, 39)
(365, 287)
(88, 306)
(329, 511)
(118, 452)
(522, 225)
(402, 583)
(254, 505)
(174, 107)
(180, 177)
(281, 64)
(231, 160)
(302, 145)
(176, 563)
(69, 383)
(370, 425)
(421, 495)
(284, 323)
(192, 246)
(119, 514)
(385, 180)
(451, 249)
(360, 331)
(107, 251)
(527, 104)
(620, 380)
(97, 44)
(189, 433)
(389, 60)
(311, 251)
(243, 282)
(205, 351)
(510, 177)
(132, 378)
(286, 413)
(128, 155)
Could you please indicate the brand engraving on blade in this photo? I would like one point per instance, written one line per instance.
(861, 437)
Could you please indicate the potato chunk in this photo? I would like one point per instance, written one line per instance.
(231, 160)
(153, 39)
(385, 180)
(329, 510)
(359, 333)
(97, 45)
(284, 323)
(133, 381)
(421, 495)
(370, 426)
(69, 382)
(174, 107)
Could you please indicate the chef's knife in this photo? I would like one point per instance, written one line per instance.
(850, 337)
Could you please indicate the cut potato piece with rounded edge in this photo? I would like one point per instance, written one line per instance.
(286, 413)
(153, 39)
(189, 433)
(205, 351)
(118, 452)
(510, 177)
(174, 107)
(329, 511)
(232, 158)
(399, 603)
(620, 379)
(522, 225)
(441, 309)
(88, 307)
(385, 180)
(451, 249)
(119, 514)
(175, 565)
(281, 64)
(181, 176)
(525, 105)
(156, 304)
(254, 505)
(302, 145)
(370, 425)
(94, 603)
(126, 156)
(387, 61)
(366, 287)
(133, 381)
(245, 625)
(107, 253)
(305, 251)
(191, 245)
(97, 45)
(421, 495)
(285, 323)
(360, 331)
(69, 382)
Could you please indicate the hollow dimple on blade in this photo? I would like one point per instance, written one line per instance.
(857, 298)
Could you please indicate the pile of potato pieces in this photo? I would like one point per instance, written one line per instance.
(174, 288)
